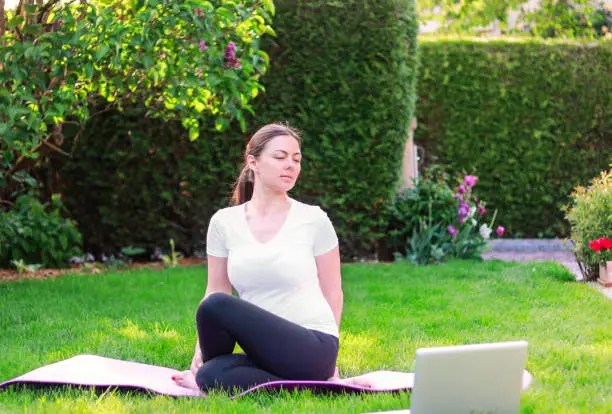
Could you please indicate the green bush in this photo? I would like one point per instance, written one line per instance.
(590, 215)
(342, 72)
(531, 118)
(34, 233)
(430, 194)
(433, 222)
(139, 182)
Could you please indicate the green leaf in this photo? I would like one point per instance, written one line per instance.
(15, 21)
(32, 29)
(221, 124)
(269, 6)
(89, 70)
(194, 133)
(30, 8)
(102, 51)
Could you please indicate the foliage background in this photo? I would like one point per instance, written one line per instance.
(343, 73)
(531, 118)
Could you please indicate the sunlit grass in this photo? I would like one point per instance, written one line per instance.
(390, 311)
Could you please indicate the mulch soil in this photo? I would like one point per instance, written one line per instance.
(8, 275)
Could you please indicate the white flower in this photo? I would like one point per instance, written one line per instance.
(472, 212)
(485, 231)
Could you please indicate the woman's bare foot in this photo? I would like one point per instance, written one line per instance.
(186, 379)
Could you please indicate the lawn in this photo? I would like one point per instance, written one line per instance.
(390, 311)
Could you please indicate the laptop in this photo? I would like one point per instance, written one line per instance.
(479, 378)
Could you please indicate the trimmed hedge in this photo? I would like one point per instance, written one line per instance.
(342, 72)
(134, 181)
(531, 118)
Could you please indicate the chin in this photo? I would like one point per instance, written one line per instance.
(286, 187)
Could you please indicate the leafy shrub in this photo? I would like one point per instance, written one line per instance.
(590, 217)
(431, 223)
(531, 118)
(189, 61)
(35, 233)
(431, 197)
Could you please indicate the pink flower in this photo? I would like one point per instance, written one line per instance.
(203, 46)
(470, 180)
(481, 210)
(453, 231)
(461, 189)
(456, 195)
(231, 61)
(463, 209)
(500, 231)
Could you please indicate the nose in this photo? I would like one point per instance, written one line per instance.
(290, 164)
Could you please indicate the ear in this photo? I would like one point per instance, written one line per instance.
(251, 162)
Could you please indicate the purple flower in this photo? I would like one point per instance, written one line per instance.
(481, 210)
(463, 210)
(461, 189)
(198, 11)
(500, 231)
(461, 220)
(453, 231)
(230, 57)
(470, 180)
(203, 46)
(455, 196)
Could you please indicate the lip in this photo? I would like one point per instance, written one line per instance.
(287, 176)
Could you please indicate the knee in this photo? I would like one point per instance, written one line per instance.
(206, 378)
(212, 304)
(212, 375)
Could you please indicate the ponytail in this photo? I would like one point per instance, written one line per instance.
(243, 188)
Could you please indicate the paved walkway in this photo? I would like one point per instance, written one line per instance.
(523, 250)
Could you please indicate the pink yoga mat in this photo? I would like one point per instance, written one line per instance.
(101, 372)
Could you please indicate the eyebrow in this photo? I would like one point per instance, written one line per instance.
(286, 153)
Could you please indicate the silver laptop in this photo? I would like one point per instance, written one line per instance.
(482, 378)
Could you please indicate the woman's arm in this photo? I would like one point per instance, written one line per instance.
(328, 269)
(218, 281)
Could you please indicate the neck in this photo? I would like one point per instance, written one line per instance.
(265, 201)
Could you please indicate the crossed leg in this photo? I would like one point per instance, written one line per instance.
(275, 347)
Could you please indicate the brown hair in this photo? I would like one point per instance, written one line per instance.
(243, 187)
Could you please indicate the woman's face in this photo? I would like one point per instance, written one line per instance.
(278, 165)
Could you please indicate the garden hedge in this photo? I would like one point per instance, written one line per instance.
(531, 118)
(342, 72)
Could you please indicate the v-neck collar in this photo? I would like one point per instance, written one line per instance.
(278, 233)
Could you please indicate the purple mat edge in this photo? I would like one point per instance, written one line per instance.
(272, 385)
(17, 381)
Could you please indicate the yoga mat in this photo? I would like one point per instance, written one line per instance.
(101, 372)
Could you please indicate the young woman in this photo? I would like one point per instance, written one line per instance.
(282, 258)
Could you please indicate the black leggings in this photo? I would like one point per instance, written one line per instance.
(275, 347)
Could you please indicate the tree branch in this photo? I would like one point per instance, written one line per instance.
(44, 11)
(2, 19)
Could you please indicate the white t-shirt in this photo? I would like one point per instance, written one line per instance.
(279, 275)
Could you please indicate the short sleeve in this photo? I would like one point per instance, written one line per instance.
(215, 238)
(325, 237)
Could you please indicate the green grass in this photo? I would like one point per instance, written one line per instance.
(390, 311)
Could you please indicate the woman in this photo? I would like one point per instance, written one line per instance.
(282, 257)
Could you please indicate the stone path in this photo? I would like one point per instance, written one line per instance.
(523, 250)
